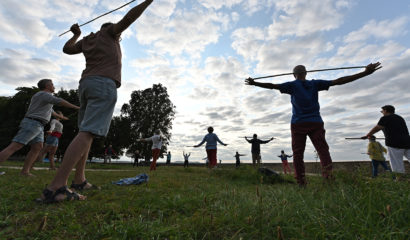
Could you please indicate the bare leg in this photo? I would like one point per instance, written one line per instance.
(51, 152)
(9, 150)
(80, 169)
(31, 157)
(75, 152)
(41, 156)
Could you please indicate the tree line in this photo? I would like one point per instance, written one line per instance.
(146, 111)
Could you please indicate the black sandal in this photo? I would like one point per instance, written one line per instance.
(50, 196)
(81, 186)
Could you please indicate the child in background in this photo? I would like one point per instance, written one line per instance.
(375, 151)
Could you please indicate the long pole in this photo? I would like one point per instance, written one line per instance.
(99, 16)
(359, 138)
(317, 70)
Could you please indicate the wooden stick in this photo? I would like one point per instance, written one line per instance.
(360, 138)
(318, 70)
(252, 137)
(99, 16)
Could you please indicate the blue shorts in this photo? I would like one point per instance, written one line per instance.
(52, 141)
(30, 132)
(98, 96)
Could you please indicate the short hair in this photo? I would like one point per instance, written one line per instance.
(106, 25)
(299, 69)
(388, 108)
(282, 151)
(372, 137)
(255, 135)
(210, 129)
(157, 131)
(43, 83)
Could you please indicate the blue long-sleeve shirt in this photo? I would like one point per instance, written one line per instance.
(211, 140)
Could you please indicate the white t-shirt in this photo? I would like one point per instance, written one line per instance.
(156, 141)
(56, 126)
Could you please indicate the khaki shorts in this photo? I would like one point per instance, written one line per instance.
(98, 96)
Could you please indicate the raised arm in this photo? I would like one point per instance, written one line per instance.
(252, 82)
(130, 17)
(371, 68)
(70, 46)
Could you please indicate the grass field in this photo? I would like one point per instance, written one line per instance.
(197, 203)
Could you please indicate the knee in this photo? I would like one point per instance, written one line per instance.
(36, 147)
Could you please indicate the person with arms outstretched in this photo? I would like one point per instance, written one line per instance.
(156, 147)
(31, 129)
(211, 140)
(256, 148)
(238, 160)
(284, 158)
(98, 95)
(306, 119)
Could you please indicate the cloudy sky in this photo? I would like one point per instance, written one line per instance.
(203, 50)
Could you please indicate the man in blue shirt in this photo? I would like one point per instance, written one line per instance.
(306, 119)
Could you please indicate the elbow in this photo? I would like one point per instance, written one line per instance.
(68, 50)
(65, 50)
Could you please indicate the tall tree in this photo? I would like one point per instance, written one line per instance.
(12, 111)
(70, 129)
(148, 110)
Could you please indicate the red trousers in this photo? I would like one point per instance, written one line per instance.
(211, 154)
(155, 155)
(316, 133)
(285, 166)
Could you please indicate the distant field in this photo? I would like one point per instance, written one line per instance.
(197, 203)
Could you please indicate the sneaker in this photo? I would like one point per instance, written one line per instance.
(2, 173)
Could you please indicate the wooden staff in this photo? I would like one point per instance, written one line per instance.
(252, 137)
(317, 70)
(99, 16)
(360, 138)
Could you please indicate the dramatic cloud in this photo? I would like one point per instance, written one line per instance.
(202, 51)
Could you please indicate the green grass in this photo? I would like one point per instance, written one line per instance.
(197, 203)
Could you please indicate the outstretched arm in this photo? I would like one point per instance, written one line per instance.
(59, 116)
(371, 68)
(203, 140)
(373, 131)
(66, 104)
(130, 17)
(263, 142)
(251, 81)
(217, 139)
(70, 46)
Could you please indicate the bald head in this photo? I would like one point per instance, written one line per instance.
(299, 72)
